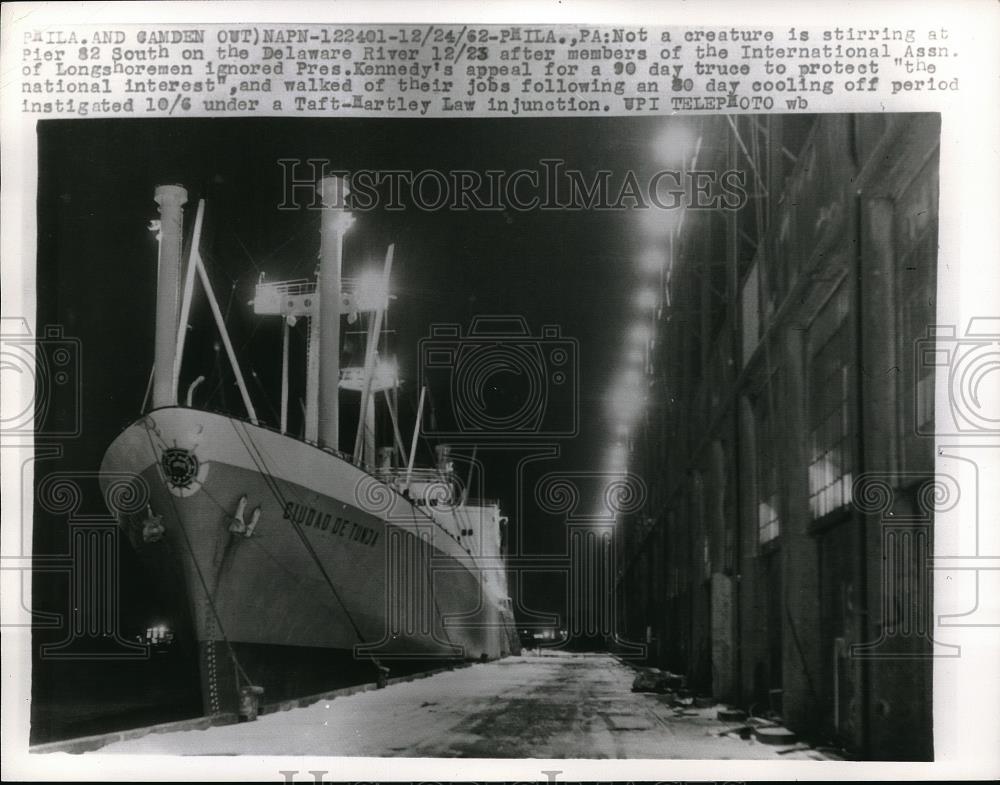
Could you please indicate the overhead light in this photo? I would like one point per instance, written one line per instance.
(646, 299)
(387, 370)
(641, 333)
(675, 145)
(658, 222)
(631, 378)
(652, 260)
(626, 402)
(369, 290)
(618, 456)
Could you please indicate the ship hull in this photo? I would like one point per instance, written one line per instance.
(283, 551)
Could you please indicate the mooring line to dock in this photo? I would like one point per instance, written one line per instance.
(240, 673)
(82, 744)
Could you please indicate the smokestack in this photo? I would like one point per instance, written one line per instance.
(171, 200)
(333, 192)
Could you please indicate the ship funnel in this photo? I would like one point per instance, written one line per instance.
(333, 192)
(171, 200)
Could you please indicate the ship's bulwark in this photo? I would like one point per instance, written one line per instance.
(334, 561)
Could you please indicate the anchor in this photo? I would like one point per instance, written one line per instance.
(238, 525)
(152, 527)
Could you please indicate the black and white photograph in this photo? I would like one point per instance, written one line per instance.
(588, 413)
(557, 435)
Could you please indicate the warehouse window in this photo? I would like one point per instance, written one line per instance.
(916, 317)
(768, 516)
(831, 453)
(768, 522)
(915, 236)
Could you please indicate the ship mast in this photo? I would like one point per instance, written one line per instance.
(333, 192)
(365, 436)
(170, 200)
(324, 302)
(171, 311)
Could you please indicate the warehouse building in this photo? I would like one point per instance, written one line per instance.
(779, 560)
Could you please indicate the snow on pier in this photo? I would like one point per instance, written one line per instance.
(552, 705)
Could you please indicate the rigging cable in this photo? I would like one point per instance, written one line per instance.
(149, 387)
(260, 462)
(257, 457)
(263, 392)
(240, 673)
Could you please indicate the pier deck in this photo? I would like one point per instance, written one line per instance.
(549, 706)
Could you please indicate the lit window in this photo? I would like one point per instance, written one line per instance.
(916, 293)
(768, 523)
(768, 516)
(831, 463)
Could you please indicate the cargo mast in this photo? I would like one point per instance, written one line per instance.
(170, 200)
(336, 220)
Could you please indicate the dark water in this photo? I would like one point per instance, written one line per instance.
(73, 698)
(81, 698)
(88, 688)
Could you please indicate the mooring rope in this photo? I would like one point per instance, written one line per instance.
(240, 673)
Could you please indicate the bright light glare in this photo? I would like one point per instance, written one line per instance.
(369, 293)
(646, 299)
(675, 144)
(618, 456)
(387, 371)
(627, 402)
(659, 222)
(652, 260)
(640, 333)
(631, 378)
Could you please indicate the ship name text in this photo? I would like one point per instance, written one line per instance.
(334, 525)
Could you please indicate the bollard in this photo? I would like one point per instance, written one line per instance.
(250, 702)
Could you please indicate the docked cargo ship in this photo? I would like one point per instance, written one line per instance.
(291, 554)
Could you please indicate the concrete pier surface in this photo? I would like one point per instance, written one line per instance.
(551, 705)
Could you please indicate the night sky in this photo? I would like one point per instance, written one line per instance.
(97, 264)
